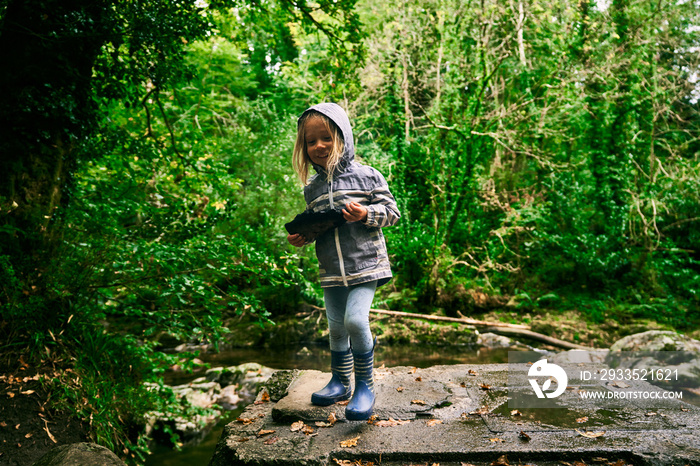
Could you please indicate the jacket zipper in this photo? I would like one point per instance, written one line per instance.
(337, 238)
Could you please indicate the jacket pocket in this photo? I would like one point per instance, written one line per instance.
(359, 245)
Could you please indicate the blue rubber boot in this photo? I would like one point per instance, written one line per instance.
(362, 403)
(338, 389)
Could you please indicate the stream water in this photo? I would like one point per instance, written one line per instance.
(316, 358)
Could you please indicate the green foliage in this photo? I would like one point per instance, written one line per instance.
(543, 153)
(150, 189)
(543, 150)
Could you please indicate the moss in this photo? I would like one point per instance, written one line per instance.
(278, 383)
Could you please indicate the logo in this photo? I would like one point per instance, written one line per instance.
(552, 371)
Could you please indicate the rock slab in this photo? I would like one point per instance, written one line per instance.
(453, 415)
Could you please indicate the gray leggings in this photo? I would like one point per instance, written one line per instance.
(347, 309)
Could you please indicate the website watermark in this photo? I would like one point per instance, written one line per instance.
(634, 395)
(599, 379)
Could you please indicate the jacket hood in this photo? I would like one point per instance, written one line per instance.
(338, 116)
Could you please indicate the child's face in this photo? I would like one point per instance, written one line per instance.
(319, 141)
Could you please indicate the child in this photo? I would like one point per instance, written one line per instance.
(352, 258)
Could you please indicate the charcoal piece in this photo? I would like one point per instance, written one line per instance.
(311, 225)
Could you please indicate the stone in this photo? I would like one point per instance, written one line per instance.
(278, 384)
(311, 225)
(491, 340)
(79, 454)
(228, 398)
(577, 356)
(249, 376)
(674, 356)
(221, 389)
(194, 429)
(656, 340)
(200, 392)
(459, 414)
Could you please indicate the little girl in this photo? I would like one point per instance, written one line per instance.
(352, 258)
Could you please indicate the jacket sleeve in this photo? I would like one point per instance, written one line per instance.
(382, 210)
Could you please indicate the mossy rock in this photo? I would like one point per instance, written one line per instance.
(279, 382)
(85, 454)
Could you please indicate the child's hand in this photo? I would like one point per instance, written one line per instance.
(354, 212)
(296, 240)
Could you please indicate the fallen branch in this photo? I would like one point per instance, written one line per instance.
(460, 320)
(500, 328)
(537, 336)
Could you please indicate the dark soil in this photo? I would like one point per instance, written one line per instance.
(28, 427)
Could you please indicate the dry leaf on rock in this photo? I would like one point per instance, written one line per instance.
(389, 423)
(501, 461)
(515, 412)
(308, 430)
(297, 426)
(245, 420)
(523, 436)
(419, 379)
(484, 386)
(332, 419)
(399, 389)
(271, 440)
(264, 398)
(433, 422)
(263, 433)
(413, 370)
(417, 402)
(496, 439)
(581, 420)
(480, 411)
(620, 384)
(350, 443)
(588, 434)
(472, 372)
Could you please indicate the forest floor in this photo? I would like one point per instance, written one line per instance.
(28, 426)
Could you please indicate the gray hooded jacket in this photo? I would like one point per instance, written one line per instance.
(355, 252)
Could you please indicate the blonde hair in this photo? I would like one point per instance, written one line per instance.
(300, 158)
